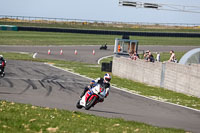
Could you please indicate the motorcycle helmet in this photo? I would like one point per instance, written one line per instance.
(107, 77)
(1, 57)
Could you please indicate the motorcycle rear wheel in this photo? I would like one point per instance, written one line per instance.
(90, 103)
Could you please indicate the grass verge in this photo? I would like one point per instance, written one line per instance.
(52, 38)
(90, 70)
(23, 118)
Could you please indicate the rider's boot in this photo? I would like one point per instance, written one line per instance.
(83, 93)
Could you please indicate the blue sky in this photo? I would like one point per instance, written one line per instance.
(106, 10)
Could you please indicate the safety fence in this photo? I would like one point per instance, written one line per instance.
(107, 32)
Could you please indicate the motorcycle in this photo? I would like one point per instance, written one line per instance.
(2, 65)
(92, 97)
(103, 47)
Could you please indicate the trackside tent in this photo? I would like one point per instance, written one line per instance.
(192, 56)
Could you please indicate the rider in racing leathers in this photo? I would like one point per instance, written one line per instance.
(2, 61)
(105, 82)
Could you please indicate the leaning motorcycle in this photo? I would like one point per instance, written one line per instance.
(103, 47)
(92, 97)
(2, 65)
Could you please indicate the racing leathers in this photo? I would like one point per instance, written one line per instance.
(93, 83)
(2, 65)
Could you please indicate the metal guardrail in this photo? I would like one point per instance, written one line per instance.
(44, 19)
(107, 32)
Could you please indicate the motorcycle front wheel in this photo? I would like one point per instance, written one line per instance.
(90, 103)
(2, 75)
(78, 105)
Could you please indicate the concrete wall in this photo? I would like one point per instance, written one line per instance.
(172, 76)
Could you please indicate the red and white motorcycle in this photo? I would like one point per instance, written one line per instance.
(92, 97)
(2, 65)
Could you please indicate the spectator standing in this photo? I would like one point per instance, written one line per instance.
(150, 57)
(172, 57)
(131, 55)
(119, 48)
(146, 55)
(158, 56)
(135, 56)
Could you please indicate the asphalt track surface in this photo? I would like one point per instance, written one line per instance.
(42, 85)
(84, 53)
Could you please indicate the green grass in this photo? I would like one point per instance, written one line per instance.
(23, 118)
(165, 56)
(52, 38)
(143, 89)
(167, 41)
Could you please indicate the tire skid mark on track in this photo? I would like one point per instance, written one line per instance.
(46, 87)
(64, 88)
(7, 93)
(48, 78)
(61, 86)
(9, 82)
(45, 79)
(69, 88)
(49, 90)
(31, 83)
(57, 80)
(10, 74)
(26, 89)
(41, 83)
(39, 72)
(24, 71)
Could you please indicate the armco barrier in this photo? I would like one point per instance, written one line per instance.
(106, 32)
(8, 27)
(176, 77)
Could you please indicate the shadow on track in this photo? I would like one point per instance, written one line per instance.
(110, 112)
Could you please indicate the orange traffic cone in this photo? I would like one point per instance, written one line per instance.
(61, 52)
(93, 52)
(75, 52)
(49, 52)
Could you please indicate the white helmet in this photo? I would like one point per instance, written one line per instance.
(1, 56)
(107, 77)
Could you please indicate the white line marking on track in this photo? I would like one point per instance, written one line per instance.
(24, 52)
(125, 90)
(104, 58)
